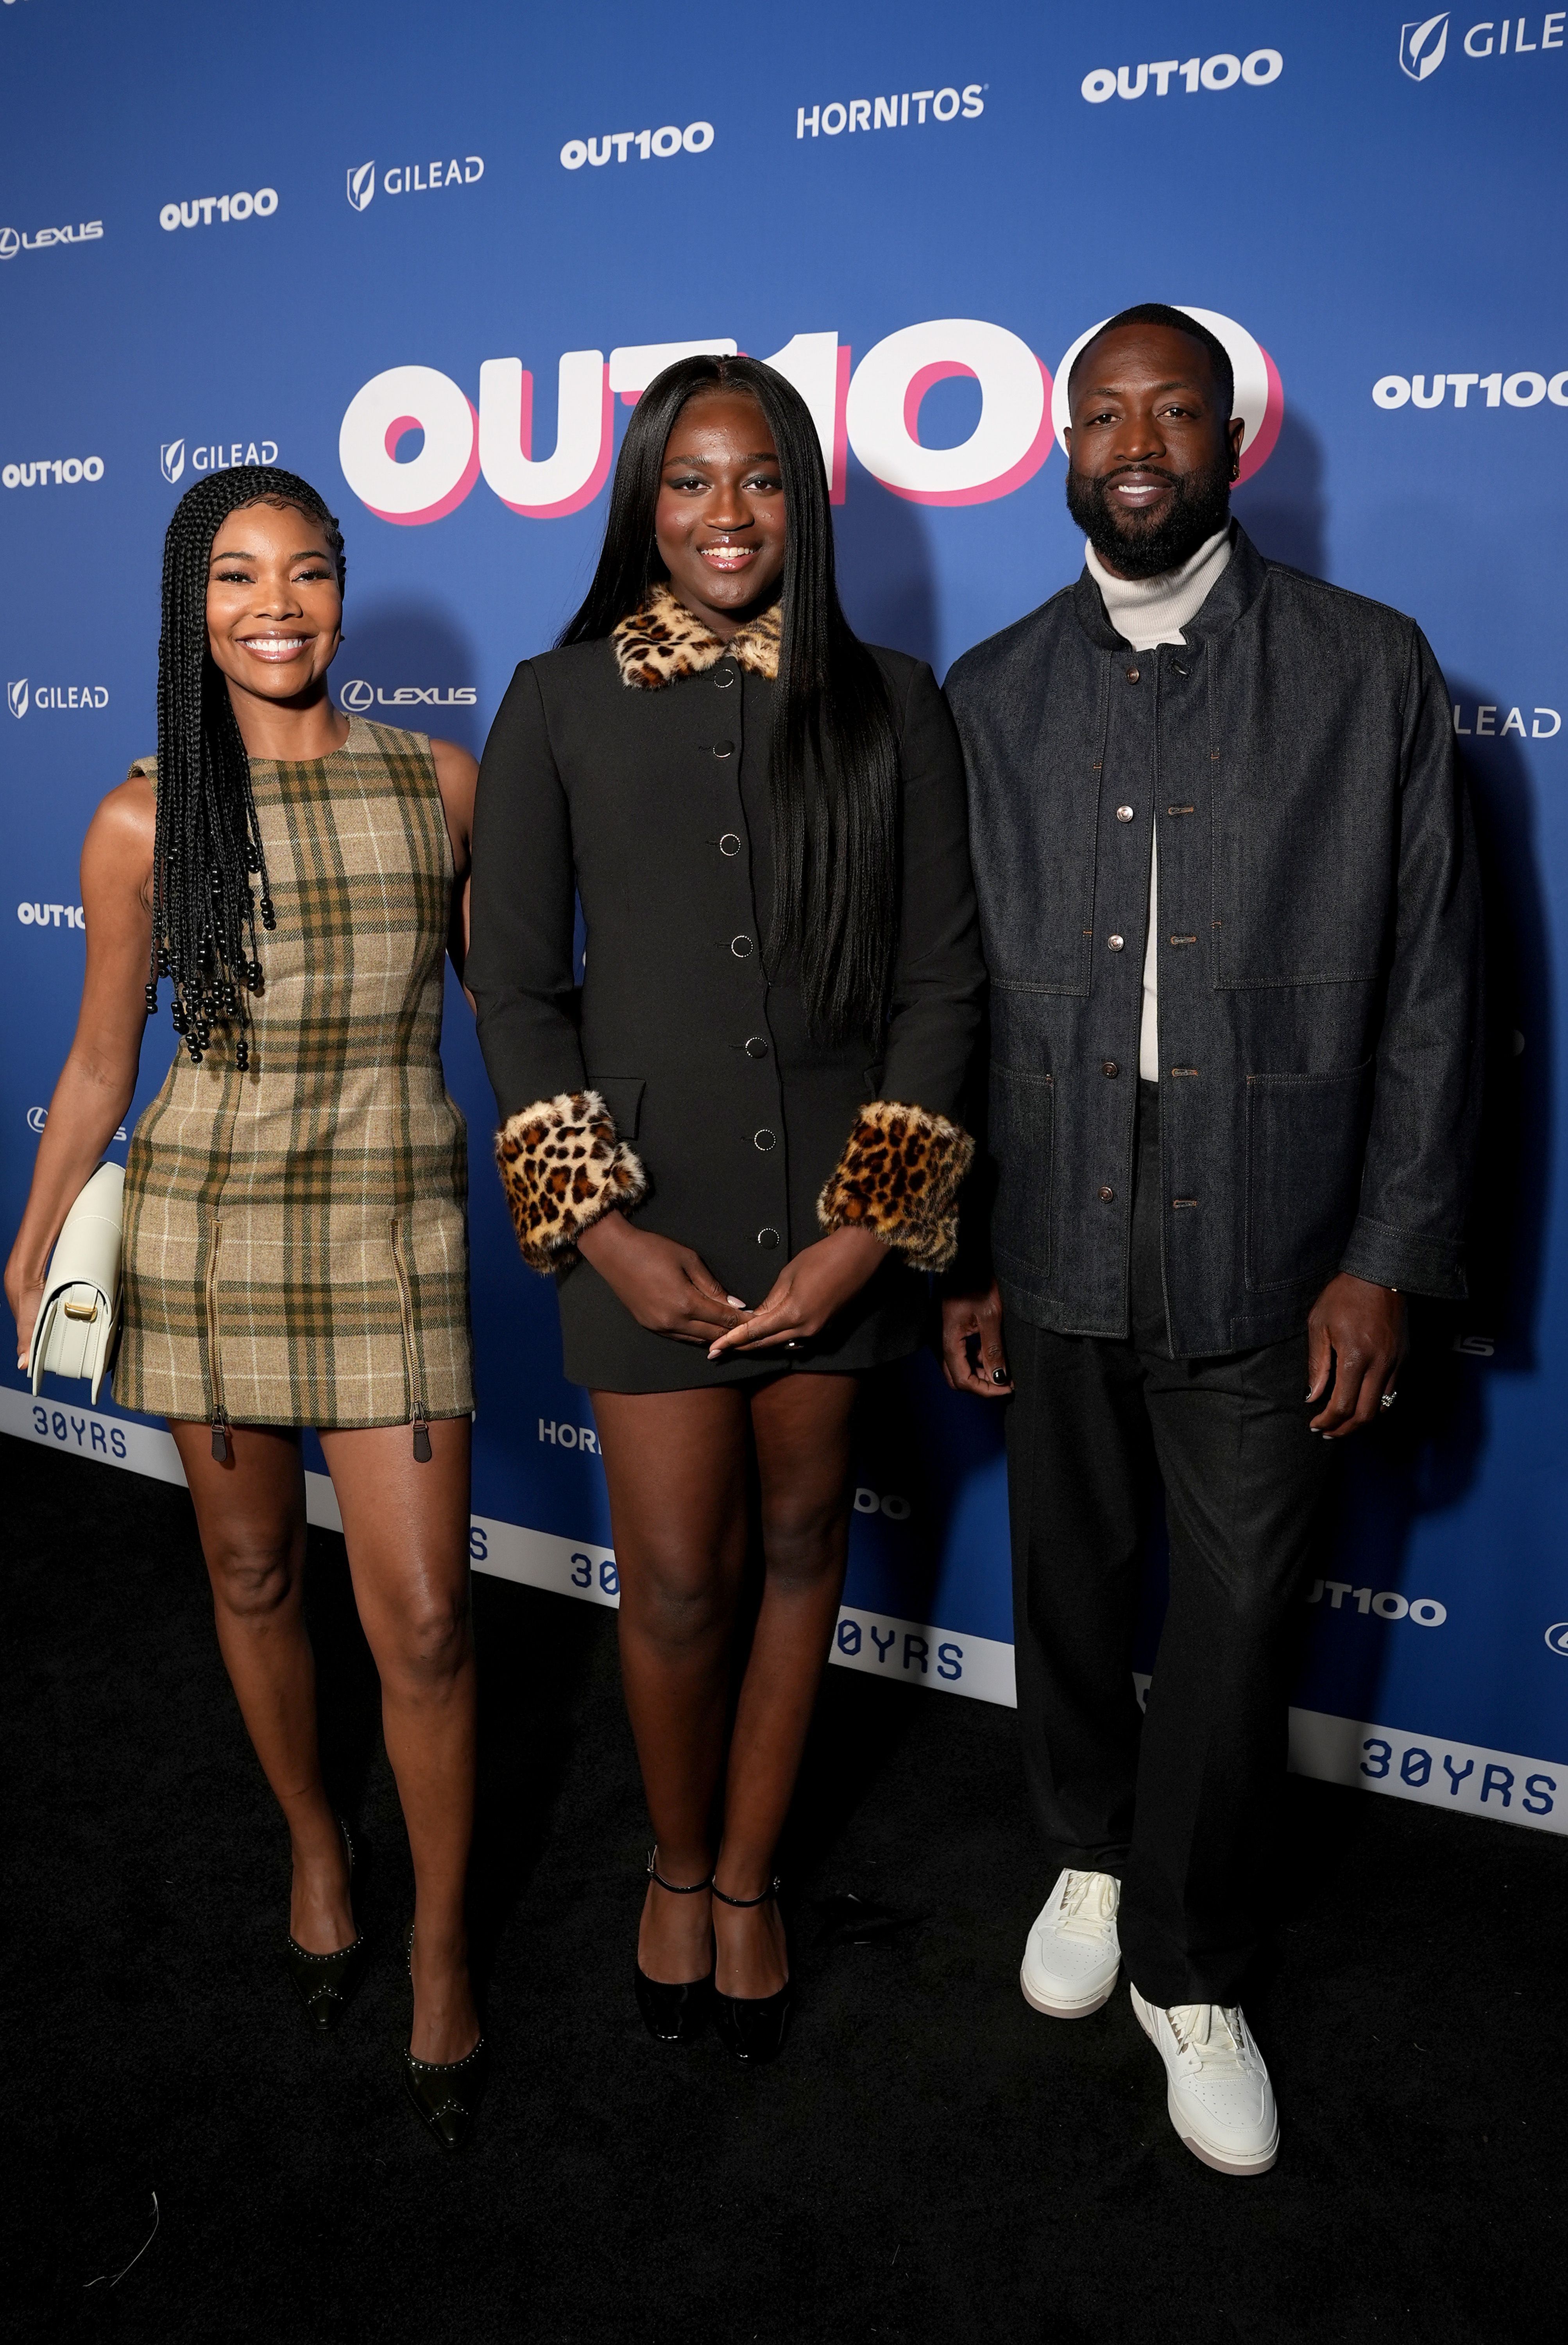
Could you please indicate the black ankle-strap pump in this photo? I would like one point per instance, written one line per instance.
(752, 2027)
(674, 2013)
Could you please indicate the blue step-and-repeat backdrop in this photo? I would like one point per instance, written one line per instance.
(427, 257)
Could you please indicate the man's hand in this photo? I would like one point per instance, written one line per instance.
(666, 1287)
(1356, 1334)
(974, 1319)
(808, 1291)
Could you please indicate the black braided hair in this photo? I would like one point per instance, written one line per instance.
(207, 841)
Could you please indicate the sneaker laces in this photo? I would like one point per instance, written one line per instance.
(1214, 2035)
(1088, 1903)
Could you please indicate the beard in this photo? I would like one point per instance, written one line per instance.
(1133, 546)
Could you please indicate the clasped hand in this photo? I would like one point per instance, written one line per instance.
(670, 1289)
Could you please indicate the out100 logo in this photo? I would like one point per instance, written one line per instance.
(412, 445)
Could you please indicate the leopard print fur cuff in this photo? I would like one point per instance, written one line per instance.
(662, 641)
(899, 1177)
(563, 1169)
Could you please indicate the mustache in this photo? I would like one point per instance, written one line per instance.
(1156, 472)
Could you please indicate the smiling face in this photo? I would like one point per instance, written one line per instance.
(274, 608)
(1150, 453)
(719, 520)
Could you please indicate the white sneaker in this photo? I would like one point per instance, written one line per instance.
(1071, 1961)
(1220, 2096)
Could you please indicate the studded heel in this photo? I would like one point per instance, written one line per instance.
(325, 1983)
(445, 2093)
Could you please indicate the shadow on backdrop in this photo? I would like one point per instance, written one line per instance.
(1282, 509)
(887, 575)
(1428, 1456)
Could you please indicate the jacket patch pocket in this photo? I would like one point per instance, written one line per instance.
(1022, 1121)
(1305, 1139)
(623, 1095)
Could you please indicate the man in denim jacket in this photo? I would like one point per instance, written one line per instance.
(1230, 910)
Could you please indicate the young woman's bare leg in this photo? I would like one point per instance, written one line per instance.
(250, 1513)
(406, 1528)
(802, 1427)
(677, 1468)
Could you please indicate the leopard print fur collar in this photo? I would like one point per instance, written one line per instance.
(662, 641)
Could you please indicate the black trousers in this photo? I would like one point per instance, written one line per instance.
(1176, 1802)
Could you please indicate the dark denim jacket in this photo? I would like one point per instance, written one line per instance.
(1319, 953)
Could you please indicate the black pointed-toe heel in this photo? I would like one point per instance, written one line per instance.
(445, 2093)
(325, 1983)
(675, 2013)
(752, 2027)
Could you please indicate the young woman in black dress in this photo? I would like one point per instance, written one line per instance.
(734, 1147)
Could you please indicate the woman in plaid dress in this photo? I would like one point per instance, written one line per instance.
(295, 1241)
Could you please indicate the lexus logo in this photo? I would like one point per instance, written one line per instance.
(10, 244)
(171, 456)
(1557, 1638)
(16, 696)
(361, 185)
(357, 695)
(37, 1117)
(1422, 48)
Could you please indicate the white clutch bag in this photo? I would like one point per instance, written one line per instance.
(80, 1316)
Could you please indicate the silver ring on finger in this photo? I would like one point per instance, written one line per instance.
(1388, 1400)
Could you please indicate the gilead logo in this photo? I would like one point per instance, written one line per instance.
(875, 408)
(412, 178)
(54, 696)
(1259, 393)
(1422, 48)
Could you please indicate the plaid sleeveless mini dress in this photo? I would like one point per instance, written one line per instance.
(296, 1238)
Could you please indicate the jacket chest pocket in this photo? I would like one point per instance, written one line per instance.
(1035, 851)
(1304, 853)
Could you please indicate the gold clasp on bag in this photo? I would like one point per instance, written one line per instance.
(82, 1310)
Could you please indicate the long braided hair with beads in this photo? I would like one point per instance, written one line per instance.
(207, 847)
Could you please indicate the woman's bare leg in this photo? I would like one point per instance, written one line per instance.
(677, 1468)
(801, 1427)
(250, 1513)
(406, 1528)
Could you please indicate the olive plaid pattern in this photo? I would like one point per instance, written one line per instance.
(296, 1243)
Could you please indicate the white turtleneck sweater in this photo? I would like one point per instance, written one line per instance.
(1146, 612)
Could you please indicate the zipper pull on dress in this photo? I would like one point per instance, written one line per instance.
(220, 1436)
(420, 1440)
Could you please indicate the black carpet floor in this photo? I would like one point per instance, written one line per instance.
(930, 2160)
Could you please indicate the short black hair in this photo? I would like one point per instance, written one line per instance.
(1163, 313)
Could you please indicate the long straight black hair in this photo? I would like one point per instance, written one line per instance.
(834, 764)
